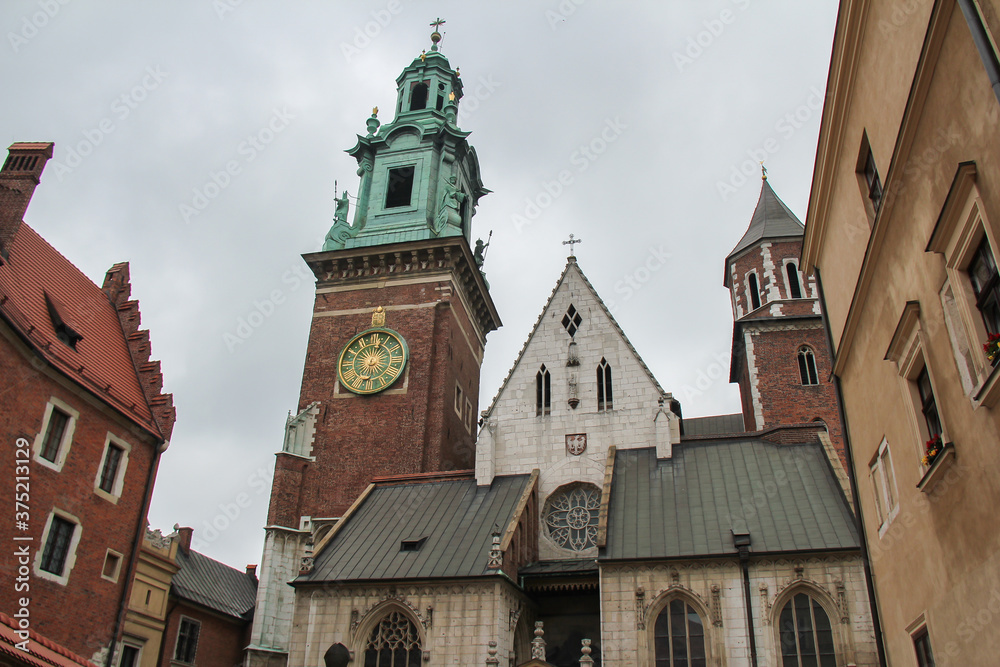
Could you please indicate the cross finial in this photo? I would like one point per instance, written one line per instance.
(437, 23)
(436, 35)
(763, 171)
(572, 241)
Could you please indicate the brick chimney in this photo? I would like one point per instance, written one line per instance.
(184, 537)
(252, 571)
(18, 178)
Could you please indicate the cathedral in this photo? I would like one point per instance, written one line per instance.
(580, 519)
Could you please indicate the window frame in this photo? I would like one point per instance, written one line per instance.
(799, 285)
(118, 484)
(808, 370)
(869, 181)
(884, 488)
(65, 443)
(543, 392)
(69, 559)
(416, 166)
(961, 228)
(814, 602)
(118, 566)
(605, 387)
(177, 640)
(135, 646)
(690, 606)
(753, 292)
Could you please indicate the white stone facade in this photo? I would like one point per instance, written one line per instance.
(272, 622)
(633, 595)
(516, 439)
(455, 621)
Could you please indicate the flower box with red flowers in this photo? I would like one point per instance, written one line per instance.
(992, 348)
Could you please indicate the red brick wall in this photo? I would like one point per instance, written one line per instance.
(91, 601)
(220, 641)
(785, 400)
(359, 437)
(754, 260)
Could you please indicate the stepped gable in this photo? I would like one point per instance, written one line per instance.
(118, 288)
(71, 324)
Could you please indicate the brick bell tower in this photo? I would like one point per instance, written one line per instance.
(391, 378)
(780, 357)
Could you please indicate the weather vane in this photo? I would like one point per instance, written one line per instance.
(572, 241)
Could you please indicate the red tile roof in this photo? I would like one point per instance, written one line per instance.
(112, 357)
(42, 652)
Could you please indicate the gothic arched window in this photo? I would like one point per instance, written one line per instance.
(807, 366)
(571, 516)
(805, 634)
(794, 288)
(605, 393)
(679, 636)
(394, 642)
(754, 290)
(543, 392)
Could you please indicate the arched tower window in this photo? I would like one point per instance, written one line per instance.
(794, 288)
(605, 393)
(543, 392)
(394, 642)
(418, 97)
(805, 634)
(807, 366)
(754, 290)
(679, 636)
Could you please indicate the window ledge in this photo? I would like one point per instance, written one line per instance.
(942, 464)
(988, 391)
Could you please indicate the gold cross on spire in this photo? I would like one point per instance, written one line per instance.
(572, 241)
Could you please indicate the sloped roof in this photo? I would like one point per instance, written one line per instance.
(42, 651)
(36, 275)
(715, 425)
(571, 263)
(213, 584)
(771, 219)
(455, 519)
(785, 496)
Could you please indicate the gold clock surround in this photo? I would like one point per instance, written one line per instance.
(372, 361)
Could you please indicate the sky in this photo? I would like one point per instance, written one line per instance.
(200, 140)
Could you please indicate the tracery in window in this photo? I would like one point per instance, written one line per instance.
(571, 516)
(605, 392)
(805, 634)
(571, 320)
(394, 642)
(679, 636)
(543, 392)
(807, 366)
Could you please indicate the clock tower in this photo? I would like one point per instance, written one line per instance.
(391, 378)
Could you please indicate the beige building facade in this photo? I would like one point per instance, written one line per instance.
(902, 231)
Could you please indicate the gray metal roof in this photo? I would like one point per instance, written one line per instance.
(456, 517)
(715, 425)
(214, 585)
(771, 219)
(785, 496)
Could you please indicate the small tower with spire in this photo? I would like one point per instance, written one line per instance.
(780, 357)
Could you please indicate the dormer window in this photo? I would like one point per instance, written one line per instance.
(64, 332)
(412, 545)
(418, 96)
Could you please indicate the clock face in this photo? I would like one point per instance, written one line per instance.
(372, 361)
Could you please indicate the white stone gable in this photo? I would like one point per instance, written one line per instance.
(516, 439)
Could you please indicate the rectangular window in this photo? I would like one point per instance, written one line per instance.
(884, 486)
(109, 473)
(922, 645)
(57, 545)
(399, 189)
(873, 182)
(130, 656)
(58, 421)
(112, 565)
(927, 404)
(458, 400)
(187, 640)
(986, 286)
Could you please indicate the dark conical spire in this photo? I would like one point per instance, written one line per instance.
(771, 219)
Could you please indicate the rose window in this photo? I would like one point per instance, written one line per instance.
(571, 516)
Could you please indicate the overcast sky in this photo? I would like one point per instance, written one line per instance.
(652, 108)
